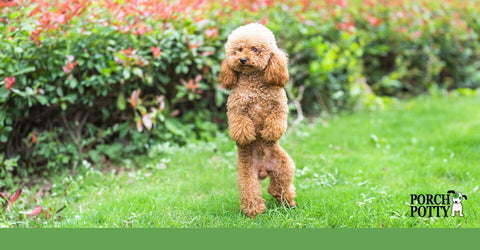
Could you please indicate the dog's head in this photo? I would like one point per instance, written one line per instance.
(252, 48)
(457, 197)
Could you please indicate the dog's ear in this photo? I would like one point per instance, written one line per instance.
(276, 72)
(464, 196)
(228, 77)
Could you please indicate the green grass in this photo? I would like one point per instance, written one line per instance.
(355, 171)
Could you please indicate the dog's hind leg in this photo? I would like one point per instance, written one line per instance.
(281, 169)
(249, 185)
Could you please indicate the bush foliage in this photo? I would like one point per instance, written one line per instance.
(96, 81)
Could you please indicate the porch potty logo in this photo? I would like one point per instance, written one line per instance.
(437, 205)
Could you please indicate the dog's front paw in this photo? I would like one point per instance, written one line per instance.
(273, 129)
(244, 138)
(243, 133)
(271, 135)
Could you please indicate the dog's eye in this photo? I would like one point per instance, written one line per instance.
(255, 50)
(240, 50)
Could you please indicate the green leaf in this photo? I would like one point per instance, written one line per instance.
(42, 99)
(315, 66)
(15, 14)
(72, 82)
(106, 72)
(123, 128)
(59, 92)
(70, 98)
(25, 70)
(219, 97)
(121, 102)
(4, 93)
(142, 110)
(94, 155)
(138, 72)
(126, 74)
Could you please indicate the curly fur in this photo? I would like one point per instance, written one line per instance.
(257, 115)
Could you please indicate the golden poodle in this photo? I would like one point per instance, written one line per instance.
(255, 70)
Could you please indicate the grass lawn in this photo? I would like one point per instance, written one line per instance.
(355, 171)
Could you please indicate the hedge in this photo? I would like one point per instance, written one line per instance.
(99, 81)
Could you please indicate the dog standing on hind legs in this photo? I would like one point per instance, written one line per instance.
(255, 70)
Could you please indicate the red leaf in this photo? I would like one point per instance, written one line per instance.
(369, 3)
(161, 100)
(183, 82)
(213, 33)
(175, 113)
(70, 65)
(264, 21)
(306, 5)
(195, 45)
(417, 34)
(198, 78)
(7, 3)
(15, 195)
(374, 21)
(134, 97)
(128, 51)
(147, 121)
(9, 81)
(34, 11)
(37, 210)
(342, 3)
(208, 53)
(348, 26)
(139, 126)
(34, 139)
(36, 35)
(156, 51)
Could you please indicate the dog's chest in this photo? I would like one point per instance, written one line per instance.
(258, 111)
(257, 101)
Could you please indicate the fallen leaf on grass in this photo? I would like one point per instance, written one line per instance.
(161, 166)
(15, 196)
(37, 210)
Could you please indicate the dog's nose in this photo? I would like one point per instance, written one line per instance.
(243, 60)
